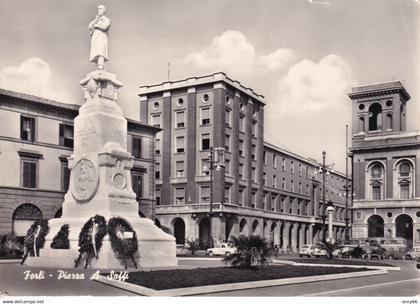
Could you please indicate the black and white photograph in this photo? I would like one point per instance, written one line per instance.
(209, 148)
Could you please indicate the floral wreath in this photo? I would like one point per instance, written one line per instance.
(124, 248)
(61, 240)
(35, 238)
(96, 226)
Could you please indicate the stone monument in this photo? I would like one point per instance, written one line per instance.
(100, 180)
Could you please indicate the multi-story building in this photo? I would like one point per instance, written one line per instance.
(215, 175)
(36, 137)
(385, 160)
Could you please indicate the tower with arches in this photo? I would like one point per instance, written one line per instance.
(385, 157)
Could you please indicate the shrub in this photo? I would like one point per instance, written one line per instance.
(250, 251)
(61, 240)
(193, 245)
(330, 247)
(10, 246)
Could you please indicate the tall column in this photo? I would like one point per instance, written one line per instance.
(294, 236)
(330, 224)
(302, 235)
(286, 235)
(310, 234)
(277, 234)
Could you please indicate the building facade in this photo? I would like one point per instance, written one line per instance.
(215, 175)
(36, 138)
(385, 158)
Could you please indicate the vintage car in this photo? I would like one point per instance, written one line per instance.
(223, 249)
(307, 250)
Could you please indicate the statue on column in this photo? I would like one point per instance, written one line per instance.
(99, 41)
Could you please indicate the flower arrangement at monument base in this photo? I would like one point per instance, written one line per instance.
(123, 240)
(90, 239)
(61, 240)
(35, 238)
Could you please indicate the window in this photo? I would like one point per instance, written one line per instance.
(205, 194)
(404, 190)
(253, 199)
(241, 171)
(65, 176)
(137, 183)
(283, 164)
(228, 117)
(227, 142)
(30, 173)
(179, 119)
(283, 184)
(180, 102)
(205, 142)
(205, 116)
(292, 167)
(157, 196)
(241, 147)
(227, 167)
(253, 147)
(66, 136)
(376, 171)
(136, 147)
(157, 172)
(292, 186)
(157, 146)
(300, 188)
(180, 145)
(27, 128)
(264, 179)
(156, 121)
(205, 167)
(241, 197)
(404, 170)
(300, 170)
(274, 161)
(227, 195)
(274, 181)
(241, 123)
(179, 196)
(307, 171)
(179, 168)
(265, 157)
(376, 192)
(253, 174)
(254, 128)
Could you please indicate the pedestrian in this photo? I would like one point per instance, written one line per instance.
(368, 250)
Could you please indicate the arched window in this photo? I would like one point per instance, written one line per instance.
(375, 117)
(404, 170)
(376, 171)
(404, 180)
(375, 179)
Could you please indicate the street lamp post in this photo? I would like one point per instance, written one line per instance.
(216, 162)
(324, 170)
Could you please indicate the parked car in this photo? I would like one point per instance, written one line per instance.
(319, 252)
(397, 254)
(413, 254)
(182, 249)
(307, 250)
(223, 249)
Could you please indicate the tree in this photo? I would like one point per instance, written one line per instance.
(251, 251)
(193, 245)
(330, 247)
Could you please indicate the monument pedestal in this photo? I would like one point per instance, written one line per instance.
(100, 184)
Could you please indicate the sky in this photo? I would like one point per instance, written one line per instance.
(304, 56)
